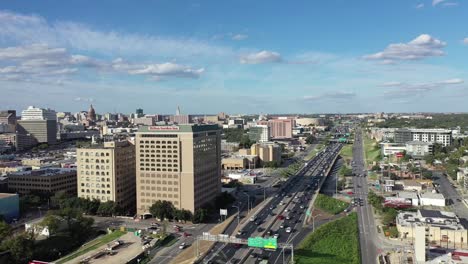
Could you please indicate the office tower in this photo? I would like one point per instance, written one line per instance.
(8, 117)
(178, 111)
(107, 173)
(179, 163)
(139, 112)
(46, 181)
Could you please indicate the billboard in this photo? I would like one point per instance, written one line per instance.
(163, 128)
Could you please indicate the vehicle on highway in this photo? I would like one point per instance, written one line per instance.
(253, 218)
(288, 229)
(282, 225)
(182, 246)
(280, 217)
(276, 235)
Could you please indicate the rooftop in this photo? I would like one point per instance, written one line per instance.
(431, 195)
(42, 172)
(190, 128)
(408, 195)
(5, 195)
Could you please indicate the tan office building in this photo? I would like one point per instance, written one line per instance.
(45, 181)
(107, 173)
(179, 163)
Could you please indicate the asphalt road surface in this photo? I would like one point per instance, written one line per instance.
(367, 228)
(291, 202)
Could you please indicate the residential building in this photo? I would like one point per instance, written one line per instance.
(178, 163)
(211, 119)
(259, 133)
(46, 181)
(441, 136)
(388, 149)
(411, 196)
(411, 185)
(419, 149)
(441, 228)
(229, 146)
(107, 173)
(9, 206)
(279, 128)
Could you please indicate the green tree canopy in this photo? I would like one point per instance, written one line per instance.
(162, 210)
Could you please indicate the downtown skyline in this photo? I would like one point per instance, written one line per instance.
(261, 57)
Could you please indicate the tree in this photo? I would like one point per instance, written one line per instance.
(200, 216)
(186, 215)
(310, 139)
(108, 208)
(52, 222)
(245, 142)
(162, 210)
(5, 230)
(20, 247)
(389, 216)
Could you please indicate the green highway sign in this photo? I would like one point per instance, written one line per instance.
(260, 242)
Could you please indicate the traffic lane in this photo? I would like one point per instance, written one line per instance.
(447, 189)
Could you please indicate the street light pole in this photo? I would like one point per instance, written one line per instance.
(238, 214)
(248, 203)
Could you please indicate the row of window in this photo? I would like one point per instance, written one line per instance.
(157, 142)
(97, 160)
(159, 176)
(95, 179)
(169, 195)
(159, 165)
(158, 156)
(92, 191)
(97, 154)
(97, 185)
(157, 182)
(158, 146)
(158, 169)
(152, 201)
(158, 151)
(102, 198)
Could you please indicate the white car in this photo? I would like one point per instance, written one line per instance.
(182, 246)
(276, 235)
(288, 230)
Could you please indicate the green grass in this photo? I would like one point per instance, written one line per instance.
(329, 204)
(168, 241)
(347, 152)
(334, 242)
(314, 152)
(372, 150)
(92, 245)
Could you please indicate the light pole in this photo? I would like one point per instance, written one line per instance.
(248, 202)
(313, 221)
(238, 214)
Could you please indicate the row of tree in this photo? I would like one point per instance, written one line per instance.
(166, 210)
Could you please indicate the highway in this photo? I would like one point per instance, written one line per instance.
(290, 201)
(367, 228)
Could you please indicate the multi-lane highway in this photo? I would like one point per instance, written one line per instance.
(282, 216)
(367, 228)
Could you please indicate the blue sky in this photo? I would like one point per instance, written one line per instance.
(235, 56)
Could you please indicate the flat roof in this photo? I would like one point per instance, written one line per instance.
(408, 195)
(42, 172)
(178, 128)
(5, 195)
(432, 195)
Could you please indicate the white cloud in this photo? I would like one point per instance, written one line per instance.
(338, 95)
(450, 4)
(424, 46)
(465, 41)
(157, 71)
(419, 6)
(239, 37)
(29, 29)
(83, 99)
(420, 89)
(436, 2)
(261, 57)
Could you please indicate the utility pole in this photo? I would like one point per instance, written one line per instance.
(238, 214)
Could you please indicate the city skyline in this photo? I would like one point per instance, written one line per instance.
(208, 57)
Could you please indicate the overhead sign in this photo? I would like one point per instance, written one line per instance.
(222, 211)
(260, 242)
(163, 128)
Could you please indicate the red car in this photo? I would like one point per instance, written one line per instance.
(187, 234)
(280, 217)
(350, 193)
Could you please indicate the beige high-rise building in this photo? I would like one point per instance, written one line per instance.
(107, 173)
(179, 163)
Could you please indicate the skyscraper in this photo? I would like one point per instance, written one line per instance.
(178, 111)
(179, 163)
